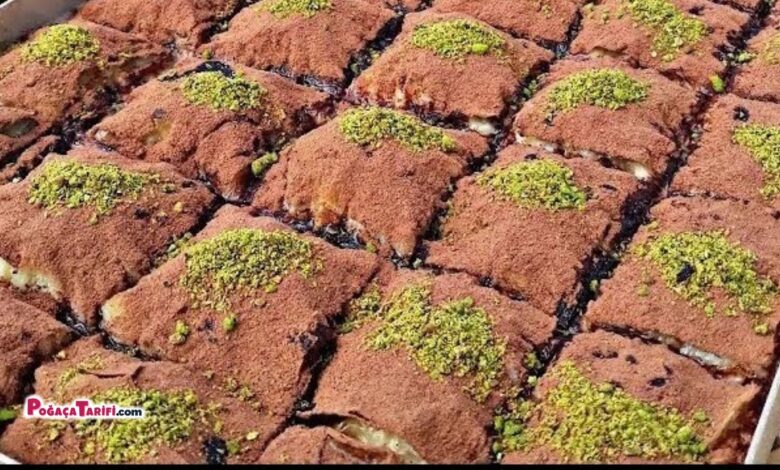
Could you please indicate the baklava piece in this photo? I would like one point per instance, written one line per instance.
(325, 445)
(185, 22)
(703, 278)
(28, 336)
(62, 77)
(601, 108)
(530, 223)
(451, 66)
(739, 153)
(249, 302)
(314, 41)
(85, 226)
(422, 361)
(610, 399)
(544, 21)
(759, 77)
(681, 39)
(381, 173)
(211, 120)
(188, 418)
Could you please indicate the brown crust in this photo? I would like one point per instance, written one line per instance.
(641, 132)
(319, 47)
(158, 124)
(28, 336)
(26, 439)
(623, 37)
(758, 80)
(479, 86)
(662, 311)
(73, 92)
(93, 261)
(437, 418)
(721, 168)
(160, 21)
(676, 382)
(274, 346)
(538, 20)
(389, 195)
(537, 254)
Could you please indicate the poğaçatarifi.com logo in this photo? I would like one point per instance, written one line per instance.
(36, 407)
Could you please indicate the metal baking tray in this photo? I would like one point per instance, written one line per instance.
(19, 17)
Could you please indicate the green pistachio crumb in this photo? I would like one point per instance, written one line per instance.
(605, 88)
(717, 83)
(241, 262)
(454, 338)
(456, 39)
(370, 126)
(536, 184)
(744, 57)
(68, 184)
(229, 323)
(763, 143)
(262, 164)
(169, 419)
(233, 447)
(673, 30)
(180, 333)
(251, 436)
(8, 414)
(222, 93)
(62, 44)
(761, 329)
(589, 422)
(693, 264)
(285, 8)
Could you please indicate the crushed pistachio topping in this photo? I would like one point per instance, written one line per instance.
(454, 338)
(180, 333)
(68, 184)
(694, 264)
(169, 418)
(589, 422)
(285, 8)
(62, 44)
(770, 53)
(262, 164)
(605, 88)
(240, 262)
(536, 184)
(92, 363)
(456, 39)
(222, 93)
(673, 30)
(509, 425)
(362, 309)
(370, 126)
(763, 143)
